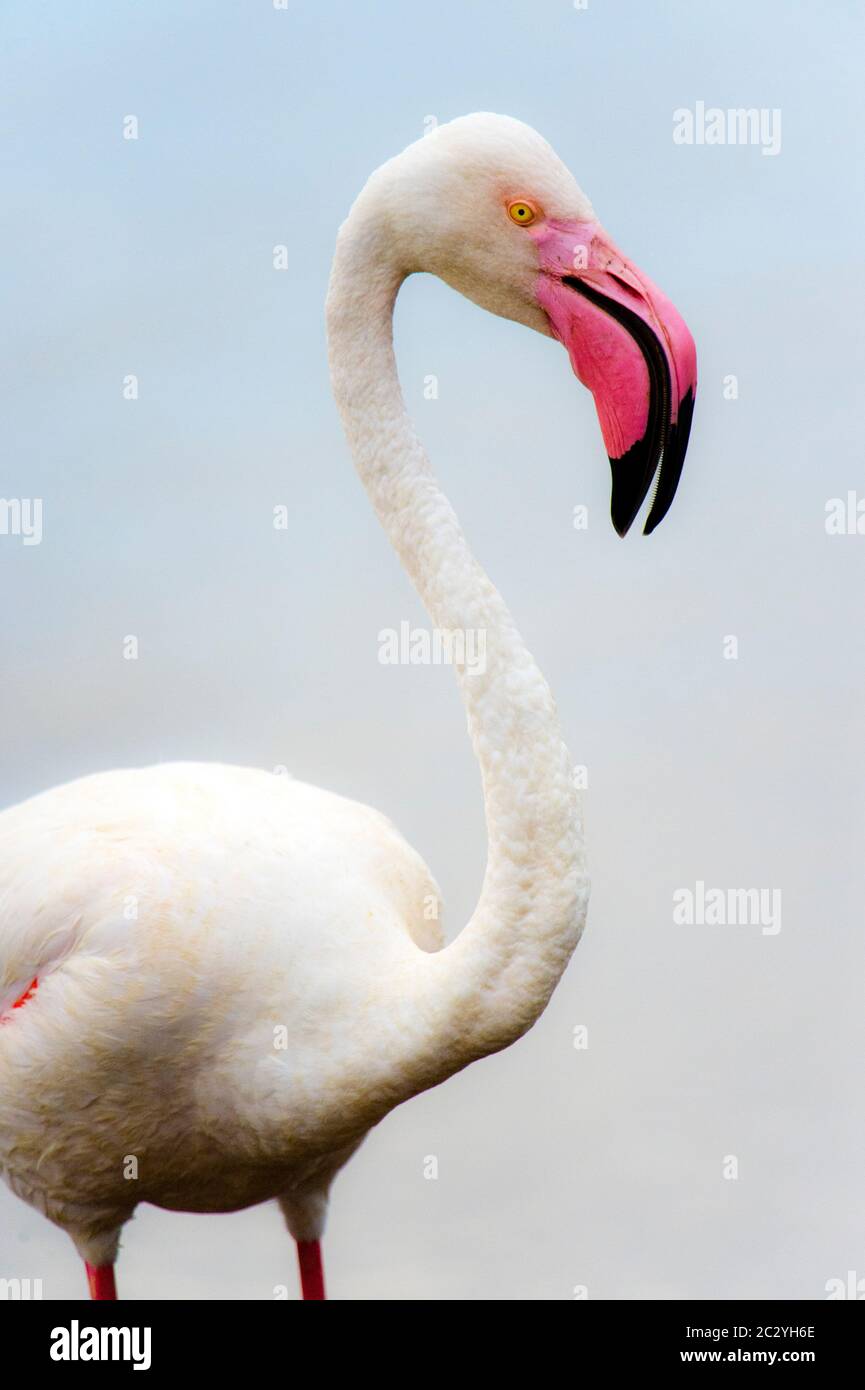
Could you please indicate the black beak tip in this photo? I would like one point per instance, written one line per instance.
(621, 523)
(634, 472)
(672, 463)
(632, 477)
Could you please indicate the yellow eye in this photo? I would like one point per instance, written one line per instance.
(521, 213)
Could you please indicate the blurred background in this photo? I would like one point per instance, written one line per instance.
(560, 1168)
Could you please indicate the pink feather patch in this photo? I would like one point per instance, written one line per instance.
(26, 994)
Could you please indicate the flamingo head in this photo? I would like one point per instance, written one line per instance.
(486, 204)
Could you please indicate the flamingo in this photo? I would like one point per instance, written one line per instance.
(214, 981)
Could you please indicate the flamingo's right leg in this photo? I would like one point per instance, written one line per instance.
(305, 1211)
(100, 1281)
(98, 1250)
(305, 1214)
(311, 1270)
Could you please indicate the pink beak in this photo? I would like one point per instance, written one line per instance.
(632, 349)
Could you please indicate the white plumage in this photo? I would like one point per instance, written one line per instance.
(238, 974)
(207, 942)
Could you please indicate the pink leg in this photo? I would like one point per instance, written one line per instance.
(311, 1269)
(100, 1280)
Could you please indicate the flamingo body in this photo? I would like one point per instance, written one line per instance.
(205, 936)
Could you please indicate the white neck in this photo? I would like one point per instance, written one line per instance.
(492, 983)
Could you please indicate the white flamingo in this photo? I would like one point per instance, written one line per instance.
(213, 980)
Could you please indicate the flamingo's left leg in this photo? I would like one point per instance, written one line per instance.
(100, 1281)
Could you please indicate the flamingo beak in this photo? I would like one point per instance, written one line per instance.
(631, 348)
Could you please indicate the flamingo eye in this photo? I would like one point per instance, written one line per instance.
(521, 213)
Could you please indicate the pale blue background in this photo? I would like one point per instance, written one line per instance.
(258, 127)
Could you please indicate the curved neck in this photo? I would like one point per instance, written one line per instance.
(492, 983)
